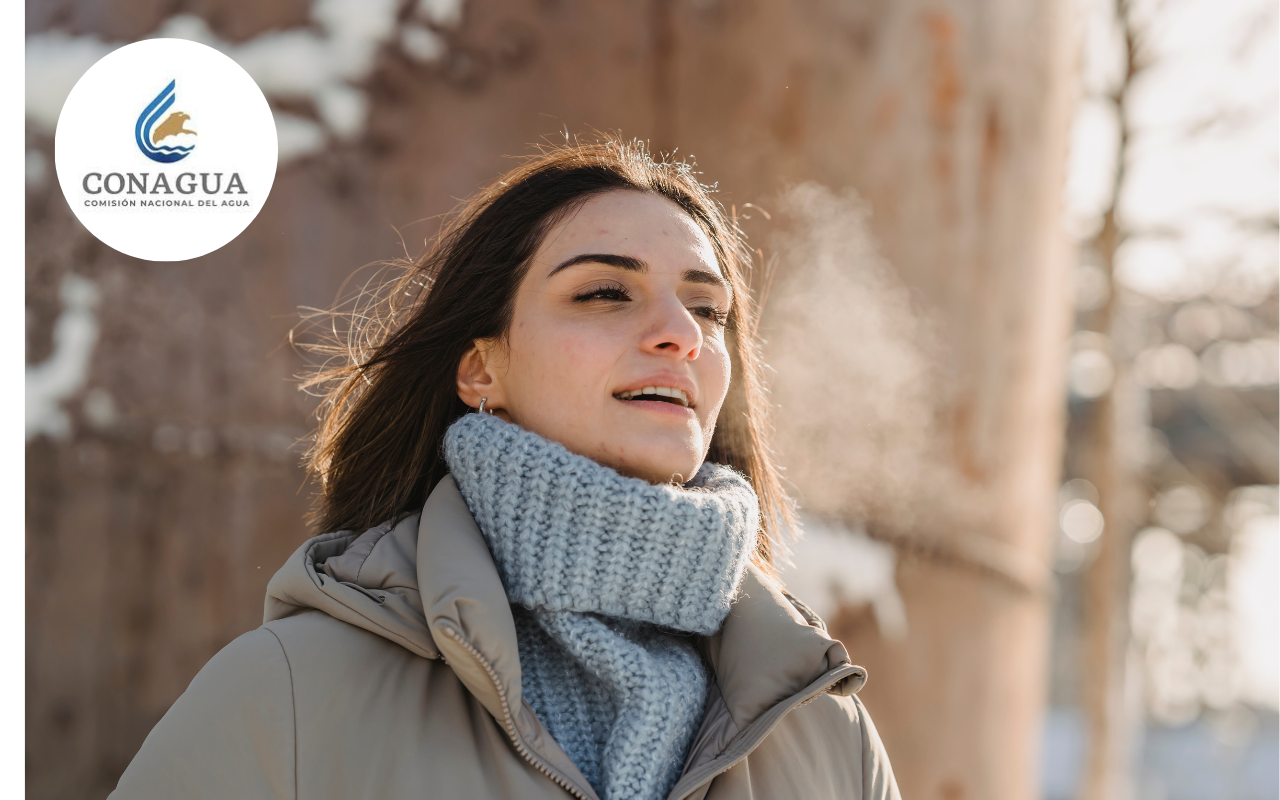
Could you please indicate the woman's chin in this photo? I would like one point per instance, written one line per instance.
(668, 469)
(652, 449)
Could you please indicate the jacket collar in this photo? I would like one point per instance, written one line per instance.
(462, 594)
(427, 582)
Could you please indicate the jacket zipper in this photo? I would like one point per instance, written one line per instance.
(508, 721)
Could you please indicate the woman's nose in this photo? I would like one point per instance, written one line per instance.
(674, 332)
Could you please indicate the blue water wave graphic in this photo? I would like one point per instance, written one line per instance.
(147, 120)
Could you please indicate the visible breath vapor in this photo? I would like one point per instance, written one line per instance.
(858, 382)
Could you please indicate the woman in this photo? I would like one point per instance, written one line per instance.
(551, 508)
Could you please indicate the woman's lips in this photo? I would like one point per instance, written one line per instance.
(660, 407)
(667, 384)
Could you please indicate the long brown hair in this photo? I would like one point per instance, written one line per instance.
(377, 451)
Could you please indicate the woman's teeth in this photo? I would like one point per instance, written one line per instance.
(661, 393)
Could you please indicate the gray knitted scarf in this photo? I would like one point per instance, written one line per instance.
(609, 578)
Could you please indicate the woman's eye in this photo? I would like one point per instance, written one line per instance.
(615, 293)
(712, 313)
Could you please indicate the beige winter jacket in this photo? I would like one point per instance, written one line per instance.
(386, 668)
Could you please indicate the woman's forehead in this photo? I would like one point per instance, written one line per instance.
(629, 223)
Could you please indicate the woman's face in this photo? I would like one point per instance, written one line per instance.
(617, 344)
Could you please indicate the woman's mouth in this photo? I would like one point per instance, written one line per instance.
(661, 394)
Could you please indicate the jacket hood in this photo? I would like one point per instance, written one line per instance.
(427, 582)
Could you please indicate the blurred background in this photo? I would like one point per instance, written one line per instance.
(1021, 319)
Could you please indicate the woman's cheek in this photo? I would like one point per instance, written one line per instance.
(724, 366)
(583, 351)
(581, 363)
(715, 383)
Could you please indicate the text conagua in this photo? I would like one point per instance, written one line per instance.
(145, 183)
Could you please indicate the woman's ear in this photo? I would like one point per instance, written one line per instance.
(478, 377)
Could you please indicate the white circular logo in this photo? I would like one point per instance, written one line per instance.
(166, 149)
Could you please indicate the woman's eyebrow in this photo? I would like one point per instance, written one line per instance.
(621, 262)
(634, 264)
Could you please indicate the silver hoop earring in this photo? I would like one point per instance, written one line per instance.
(480, 410)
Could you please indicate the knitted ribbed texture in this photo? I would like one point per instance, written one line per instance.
(593, 562)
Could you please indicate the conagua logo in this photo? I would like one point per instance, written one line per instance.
(150, 135)
(165, 206)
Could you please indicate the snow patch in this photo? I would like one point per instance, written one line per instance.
(37, 169)
(100, 408)
(60, 376)
(834, 565)
(343, 109)
(421, 43)
(297, 137)
(445, 13)
(320, 63)
(54, 62)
